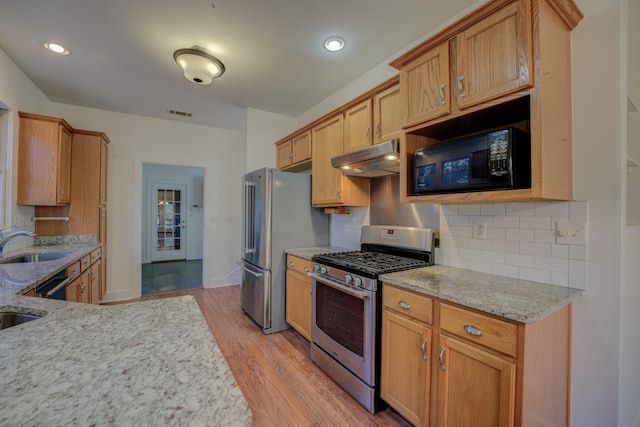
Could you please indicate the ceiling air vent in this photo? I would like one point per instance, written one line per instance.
(180, 113)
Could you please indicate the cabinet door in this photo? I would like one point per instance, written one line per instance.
(475, 388)
(405, 367)
(298, 312)
(494, 55)
(301, 148)
(424, 85)
(387, 117)
(63, 175)
(96, 279)
(283, 155)
(326, 143)
(357, 127)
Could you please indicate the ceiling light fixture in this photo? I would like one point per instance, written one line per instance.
(334, 44)
(199, 66)
(56, 48)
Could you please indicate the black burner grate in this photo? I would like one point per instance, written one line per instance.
(369, 262)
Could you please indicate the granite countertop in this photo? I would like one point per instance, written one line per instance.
(25, 276)
(308, 253)
(144, 363)
(515, 299)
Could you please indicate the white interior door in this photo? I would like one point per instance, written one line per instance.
(168, 225)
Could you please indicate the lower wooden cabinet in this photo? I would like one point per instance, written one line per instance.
(480, 370)
(298, 295)
(87, 287)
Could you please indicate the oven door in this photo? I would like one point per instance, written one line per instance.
(343, 325)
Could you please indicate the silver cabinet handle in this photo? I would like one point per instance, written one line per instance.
(306, 269)
(377, 129)
(443, 100)
(404, 304)
(472, 330)
(291, 264)
(424, 343)
(460, 88)
(368, 134)
(441, 358)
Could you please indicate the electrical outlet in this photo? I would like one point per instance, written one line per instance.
(479, 229)
(570, 233)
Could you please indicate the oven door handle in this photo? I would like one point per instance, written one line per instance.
(60, 285)
(346, 289)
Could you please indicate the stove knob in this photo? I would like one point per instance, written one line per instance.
(348, 278)
(323, 270)
(357, 282)
(316, 268)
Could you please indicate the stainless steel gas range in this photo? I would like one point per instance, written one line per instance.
(347, 305)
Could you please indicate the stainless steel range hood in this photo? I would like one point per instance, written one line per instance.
(378, 160)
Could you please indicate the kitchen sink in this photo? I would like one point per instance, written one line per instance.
(35, 257)
(10, 317)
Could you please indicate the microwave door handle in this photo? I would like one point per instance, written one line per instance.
(357, 294)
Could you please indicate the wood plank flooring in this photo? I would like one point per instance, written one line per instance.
(281, 384)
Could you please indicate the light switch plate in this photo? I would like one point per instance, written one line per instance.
(570, 233)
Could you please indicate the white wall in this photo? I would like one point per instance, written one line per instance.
(136, 140)
(263, 130)
(193, 178)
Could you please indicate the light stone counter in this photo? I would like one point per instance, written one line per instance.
(308, 253)
(139, 364)
(514, 299)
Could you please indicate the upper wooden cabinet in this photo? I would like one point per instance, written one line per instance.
(44, 160)
(294, 151)
(357, 126)
(387, 116)
(507, 64)
(329, 186)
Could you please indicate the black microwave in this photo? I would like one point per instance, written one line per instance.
(491, 161)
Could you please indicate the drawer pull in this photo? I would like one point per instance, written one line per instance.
(441, 358)
(306, 269)
(291, 264)
(404, 304)
(422, 349)
(472, 330)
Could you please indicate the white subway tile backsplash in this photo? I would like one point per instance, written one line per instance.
(552, 209)
(535, 222)
(520, 241)
(537, 249)
(552, 264)
(520, 235)
(493, 209)
(520, 260)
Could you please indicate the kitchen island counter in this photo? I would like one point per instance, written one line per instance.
(515, 299)
(145, 363)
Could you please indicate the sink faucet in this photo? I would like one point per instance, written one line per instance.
(5, 239)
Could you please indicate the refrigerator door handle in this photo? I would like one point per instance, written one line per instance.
(241, 265)
(249, 214)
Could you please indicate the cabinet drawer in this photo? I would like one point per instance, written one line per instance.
(416, 306)
(298, 264)
(73, 269)
(85, 262)
(485, 330)
(96, 254)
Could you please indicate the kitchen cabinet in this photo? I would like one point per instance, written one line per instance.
(298, 295)
(329, 186)
(507, 64)
(87, 286)
(406, 347)
(88, 207)
(387, 116)
(484, 370)
(357, 126)
(294, 152)
(44, 160)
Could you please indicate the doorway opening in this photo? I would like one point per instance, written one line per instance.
(172, 228)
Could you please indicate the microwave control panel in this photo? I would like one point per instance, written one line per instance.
(499, 153)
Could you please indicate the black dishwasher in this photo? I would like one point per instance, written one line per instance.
(55, 287)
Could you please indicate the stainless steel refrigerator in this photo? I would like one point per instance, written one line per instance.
(276, 215)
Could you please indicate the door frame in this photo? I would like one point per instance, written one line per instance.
(153, 186)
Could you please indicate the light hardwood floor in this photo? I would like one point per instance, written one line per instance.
(281, 384)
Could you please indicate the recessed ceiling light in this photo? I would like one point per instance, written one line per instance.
(56, 48)
(334, 44)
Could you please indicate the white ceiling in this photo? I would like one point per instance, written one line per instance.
(122, 50)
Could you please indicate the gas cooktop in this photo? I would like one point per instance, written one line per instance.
(372, 263)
